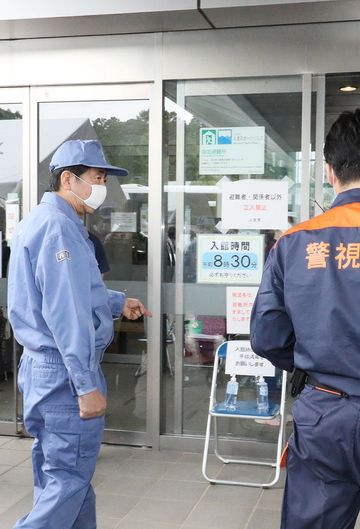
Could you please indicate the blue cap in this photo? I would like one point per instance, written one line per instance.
(83, 152)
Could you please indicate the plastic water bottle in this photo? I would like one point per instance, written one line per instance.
(231, 393)
(262, 396)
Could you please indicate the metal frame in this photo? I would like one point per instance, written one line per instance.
(18, 96)
(319, 142)
(179, 264)
(243, 85)
(305, 146)
(213, 414)
(155, 232)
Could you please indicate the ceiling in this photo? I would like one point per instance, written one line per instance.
(337, 101)
(46, 19)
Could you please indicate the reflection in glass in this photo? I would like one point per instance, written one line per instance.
(120, 228)
(193, 206)
(10, 213)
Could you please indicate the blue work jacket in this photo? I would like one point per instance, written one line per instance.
(56, 296)
(307, 310)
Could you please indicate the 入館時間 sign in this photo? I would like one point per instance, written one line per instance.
(236, 259)
(231, 150)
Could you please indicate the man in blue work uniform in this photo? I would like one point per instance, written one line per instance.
(306, 315)
(62, 314)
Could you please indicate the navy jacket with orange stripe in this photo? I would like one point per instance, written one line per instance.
(307, 311)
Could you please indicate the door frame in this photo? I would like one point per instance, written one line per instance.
(127, 91)
(309, 86)
(17, 95)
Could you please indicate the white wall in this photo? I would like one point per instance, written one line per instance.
(284, 50)
(25, 9)
(24, 19)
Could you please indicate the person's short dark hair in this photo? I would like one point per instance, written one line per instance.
(342, 147)
(54, 181)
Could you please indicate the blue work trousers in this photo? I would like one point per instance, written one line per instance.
(322, 488)
(65, 447)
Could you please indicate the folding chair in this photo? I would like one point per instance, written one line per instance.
(245, 409)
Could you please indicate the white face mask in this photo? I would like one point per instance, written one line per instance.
(97, 195)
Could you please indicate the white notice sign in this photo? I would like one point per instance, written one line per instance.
(239, 303)
(241, 360)
(255, 204)
(236, 259)
(232, 150)
(144, 219)
(123, 221)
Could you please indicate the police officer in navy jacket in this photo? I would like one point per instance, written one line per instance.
(307, 316)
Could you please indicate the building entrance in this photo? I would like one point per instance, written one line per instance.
(117, 116)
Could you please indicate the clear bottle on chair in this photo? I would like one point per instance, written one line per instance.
(231, 393)
(262, 396)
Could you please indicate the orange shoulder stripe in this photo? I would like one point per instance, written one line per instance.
(346, 216)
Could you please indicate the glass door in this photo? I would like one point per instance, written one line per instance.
(117, 116)
(249, 134)
(14, 201)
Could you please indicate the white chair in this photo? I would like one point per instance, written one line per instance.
(245, 409)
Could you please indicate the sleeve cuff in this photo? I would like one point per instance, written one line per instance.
(84, 383)
(117, 302)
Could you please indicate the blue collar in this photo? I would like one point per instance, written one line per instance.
(55, 200)
(347, 197)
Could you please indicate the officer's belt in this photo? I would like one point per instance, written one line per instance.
(322, 387)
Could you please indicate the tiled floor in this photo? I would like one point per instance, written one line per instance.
(142, 489)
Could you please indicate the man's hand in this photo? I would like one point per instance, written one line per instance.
(92, 405)
(133, 309)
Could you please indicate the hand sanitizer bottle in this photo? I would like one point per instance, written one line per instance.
(231, 393)
(262, 396)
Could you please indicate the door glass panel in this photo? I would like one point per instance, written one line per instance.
(120, 226)
(195, 319)
(11, 139)
(338, 100)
